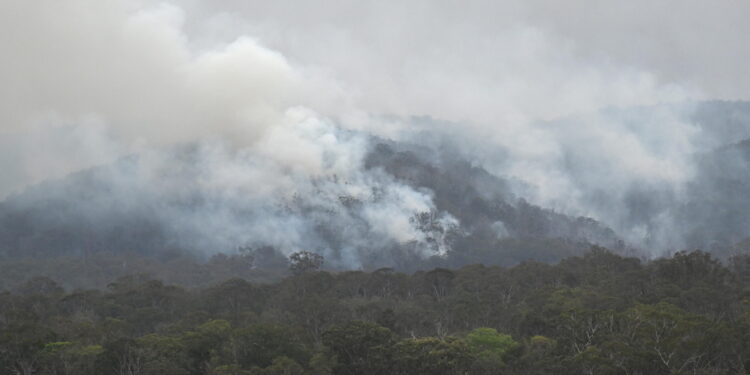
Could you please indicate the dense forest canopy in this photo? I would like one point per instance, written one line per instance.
(598, 313)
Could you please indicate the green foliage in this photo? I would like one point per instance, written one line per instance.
(488, 342)
(360, 347)
(431, 356)
(258, 345)
(66, 357)
(284, 366)
(322, 363)
(230, 370)
(489, 348)
(600, 313)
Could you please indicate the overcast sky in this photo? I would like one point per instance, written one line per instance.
(701, 44)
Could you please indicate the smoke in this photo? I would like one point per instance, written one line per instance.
(276, 102)
(304, 187)
(133, 72)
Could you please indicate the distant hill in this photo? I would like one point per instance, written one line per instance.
(472, 215)
(109, 208)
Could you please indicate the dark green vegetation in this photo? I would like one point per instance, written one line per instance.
(599, 313)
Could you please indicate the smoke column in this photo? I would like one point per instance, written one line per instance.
(275, 103)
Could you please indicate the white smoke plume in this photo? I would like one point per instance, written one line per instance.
(276, 96)
(303, 178)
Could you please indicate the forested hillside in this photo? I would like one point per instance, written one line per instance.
(409, 205)
(595, 314)
(113, 209)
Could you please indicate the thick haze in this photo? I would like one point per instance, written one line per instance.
(283, 91)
